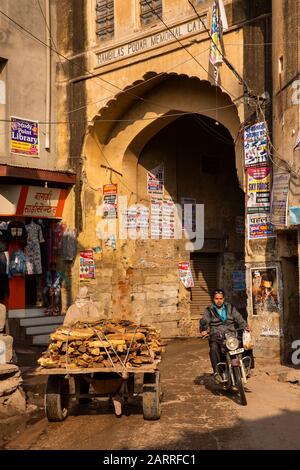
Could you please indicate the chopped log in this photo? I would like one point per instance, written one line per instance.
(102, 343)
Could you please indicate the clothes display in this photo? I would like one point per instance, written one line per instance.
(16, 231)
(32, 249)
(17, 263)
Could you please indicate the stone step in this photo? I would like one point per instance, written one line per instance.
(26, 313)
(36, 321)
(41, 330)
(41, 340)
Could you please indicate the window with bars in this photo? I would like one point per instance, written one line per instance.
(105, 19)
(150, 10)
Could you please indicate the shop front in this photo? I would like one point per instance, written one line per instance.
(31, 232)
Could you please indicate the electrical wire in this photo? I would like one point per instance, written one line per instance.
(101, 78)
(182, 113)
(185, 48)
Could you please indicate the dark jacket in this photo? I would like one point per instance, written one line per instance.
(217, 327)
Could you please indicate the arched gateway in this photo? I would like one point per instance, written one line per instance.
(166, 141)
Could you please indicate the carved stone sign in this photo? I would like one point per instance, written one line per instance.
(151, 41)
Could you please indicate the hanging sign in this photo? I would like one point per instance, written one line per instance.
(86, 265)
(256, 144)
(185, 274)
(259, 190)
(24, 138)
(110, 201)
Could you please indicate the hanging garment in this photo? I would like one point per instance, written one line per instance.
(17, 263)
(33, 250)
(68, 245)
(16, 231)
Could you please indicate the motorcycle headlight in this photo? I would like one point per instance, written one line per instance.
(232, 343)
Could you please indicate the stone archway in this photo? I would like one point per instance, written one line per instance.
(119, 146)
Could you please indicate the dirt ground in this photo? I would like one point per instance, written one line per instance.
(196, 414)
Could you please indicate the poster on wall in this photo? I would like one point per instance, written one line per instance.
(155, 181)
(185, 274)
(110, 201)
(168, 219)
(136, 221)
(238, 281)
(280, 194)
(86, 265)
(259, 190)
(24, 139)
(295, 215)
(256, 144)
(264, 290)
(156, 218)
(260, 226)
(188, 216)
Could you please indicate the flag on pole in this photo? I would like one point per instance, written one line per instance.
(219, 24)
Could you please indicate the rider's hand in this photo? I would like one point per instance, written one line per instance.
(203, 334)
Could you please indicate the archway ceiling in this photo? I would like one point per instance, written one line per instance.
(117, 107)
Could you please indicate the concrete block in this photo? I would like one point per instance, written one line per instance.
(2, 317)
(138, 296)
(13, 404)
(172, 294)
(8, 345)
(169, 313)
(7, 369)
(169, 329)
(168, 302)
(9, 385)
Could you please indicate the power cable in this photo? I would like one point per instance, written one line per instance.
(226, 61)
(185, 48)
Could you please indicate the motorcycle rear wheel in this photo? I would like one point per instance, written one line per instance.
(240, 385)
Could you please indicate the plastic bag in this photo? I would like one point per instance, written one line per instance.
(248, 341)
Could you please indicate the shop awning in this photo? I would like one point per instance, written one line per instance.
(37, 174)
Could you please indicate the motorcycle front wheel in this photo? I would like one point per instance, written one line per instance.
(240, 385)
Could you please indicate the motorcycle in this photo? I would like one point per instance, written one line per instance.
(234, 370)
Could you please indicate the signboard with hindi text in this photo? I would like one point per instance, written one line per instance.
(32, 201)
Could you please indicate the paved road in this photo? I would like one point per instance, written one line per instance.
(195, 414)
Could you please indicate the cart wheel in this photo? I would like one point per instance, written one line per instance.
(151, 396)
(57, 398)
(82, 388)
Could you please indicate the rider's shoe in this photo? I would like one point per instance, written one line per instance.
(218, 378)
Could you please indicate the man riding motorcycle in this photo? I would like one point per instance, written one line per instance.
(218, 319)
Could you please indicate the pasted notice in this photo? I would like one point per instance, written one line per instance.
(256, 144)
(110, 201)
(86, 265)
(259, 190)
(260, 226)
(185, 274)
(24, 138)
(238, 281)
(155, 181)
(280, 199)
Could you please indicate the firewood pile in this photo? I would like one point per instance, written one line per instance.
(108, 343)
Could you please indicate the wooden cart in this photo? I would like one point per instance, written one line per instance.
(105, 382)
